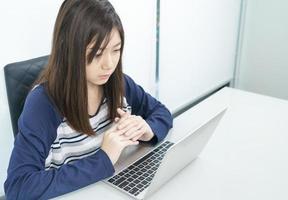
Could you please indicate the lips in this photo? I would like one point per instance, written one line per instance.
(104, 76)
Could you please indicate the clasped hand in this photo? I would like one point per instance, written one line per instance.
(126, 131)
(134, 127)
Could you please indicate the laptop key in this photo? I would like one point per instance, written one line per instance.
(136, 169)
(131, 167)
(146, 175)
(136, 181)
(127, 175)
(141, 166)
(121, 174)
(139, 173)
(123, 184)
(111, 180)
(116, 176)
(139, 186)
(134, 176)
(133, 190)
(141, 189)
(144, 182)
(127, 188)
(120, 180)
(148, 179)
(131, 185)
(157, 154)
(130, 180)
(143, 170)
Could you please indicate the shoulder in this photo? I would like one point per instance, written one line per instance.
(128, 81)
(131, 87)
(38, 121)
(39, 107)
(38, 99)
(37, 96)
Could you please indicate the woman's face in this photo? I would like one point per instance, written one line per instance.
(105, 61)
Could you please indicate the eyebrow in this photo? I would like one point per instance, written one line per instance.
(113, 46)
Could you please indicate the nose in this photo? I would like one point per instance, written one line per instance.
(107, 61)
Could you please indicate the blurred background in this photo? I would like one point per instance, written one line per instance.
(179, 51)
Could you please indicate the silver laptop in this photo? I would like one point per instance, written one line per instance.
(147, 174)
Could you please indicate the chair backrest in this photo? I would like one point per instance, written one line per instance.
(19, 78)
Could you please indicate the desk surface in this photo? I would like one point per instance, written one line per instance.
(246, 158)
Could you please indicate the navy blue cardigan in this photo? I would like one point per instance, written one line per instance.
(27, 177)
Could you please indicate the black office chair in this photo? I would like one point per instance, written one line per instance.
(19, 78)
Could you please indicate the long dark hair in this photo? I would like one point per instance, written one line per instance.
(80, 22)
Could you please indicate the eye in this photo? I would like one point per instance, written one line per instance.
(98, 55)
(116, 50)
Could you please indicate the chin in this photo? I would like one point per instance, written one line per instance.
(101, 82)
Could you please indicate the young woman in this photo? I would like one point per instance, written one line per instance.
(74, 124)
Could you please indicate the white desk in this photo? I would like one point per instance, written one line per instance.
(246, 158)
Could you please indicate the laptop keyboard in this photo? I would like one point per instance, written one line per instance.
(138, 175)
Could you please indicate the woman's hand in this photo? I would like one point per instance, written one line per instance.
(134, 127)
(114, 141)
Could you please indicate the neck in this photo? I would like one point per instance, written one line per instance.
(94, 91)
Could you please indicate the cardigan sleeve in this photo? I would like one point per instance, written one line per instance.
(150, 109)
(27, 177)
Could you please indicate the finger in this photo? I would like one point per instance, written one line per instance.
(132, 119)
(124, 117)
(112, 128)
(135, 134)
(131, 129)
(130, 142)
(129, 123)
(116, 119)
(139, 135)
(125, 121)
(121, 112)
(118, 132)
(123, 138)
(131, 133)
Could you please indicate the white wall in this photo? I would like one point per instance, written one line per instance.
(139, 21)
(197, 48)
(263, 63)
(26, 32)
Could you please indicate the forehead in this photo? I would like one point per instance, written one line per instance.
(113, 40)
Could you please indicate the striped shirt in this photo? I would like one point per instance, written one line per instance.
(71, 145)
